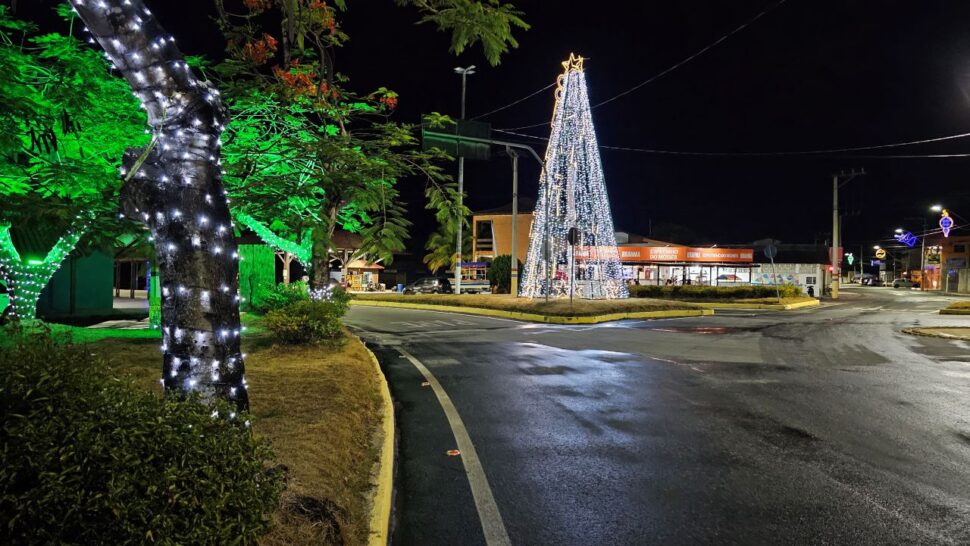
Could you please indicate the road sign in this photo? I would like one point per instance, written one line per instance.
(850, 258)
(448, 139)
(881, 253)
(771, 251)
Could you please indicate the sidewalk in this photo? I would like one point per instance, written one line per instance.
(955, 332)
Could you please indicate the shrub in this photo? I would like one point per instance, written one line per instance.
(312, 321)
(696, 292)
(280, 296)
(500, 274)
(86, 459)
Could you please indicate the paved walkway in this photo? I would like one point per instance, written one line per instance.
(950, 333)
(123, 324)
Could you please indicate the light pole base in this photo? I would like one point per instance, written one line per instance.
(835, 290)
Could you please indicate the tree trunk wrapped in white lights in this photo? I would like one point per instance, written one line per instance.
(572, 194)
(26, 279)
(175, 187)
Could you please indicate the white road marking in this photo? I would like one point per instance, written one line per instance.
(492, 525)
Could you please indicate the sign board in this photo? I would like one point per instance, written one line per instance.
(771, 251)
(572, 236)
(448, 139)
(850, 258)
(653, 254)
(875, 263)
(881, 253)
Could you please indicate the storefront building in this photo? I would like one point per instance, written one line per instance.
(651, 261)
(675, 264)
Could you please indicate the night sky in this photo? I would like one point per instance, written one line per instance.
(808, 75)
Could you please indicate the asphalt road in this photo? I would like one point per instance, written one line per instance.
(822, 426)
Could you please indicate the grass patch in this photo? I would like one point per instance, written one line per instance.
(782, 301)
(320, 406)
(965, 305)
(560, 307)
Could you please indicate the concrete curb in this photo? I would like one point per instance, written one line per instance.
(383, 496)
(532, 317)
(923, 333)
(766, 306)
(955, 311)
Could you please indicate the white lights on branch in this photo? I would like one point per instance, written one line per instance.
(573, 198)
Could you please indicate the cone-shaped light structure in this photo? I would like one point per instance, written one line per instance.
(572, 198)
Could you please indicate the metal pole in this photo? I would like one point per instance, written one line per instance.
(548, 244)
(515, 221)
(922, 258)
(836, 259)
(461, 190)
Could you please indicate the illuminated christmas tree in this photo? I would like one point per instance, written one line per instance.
(572, 197)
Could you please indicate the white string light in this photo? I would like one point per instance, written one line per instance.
(572, 195)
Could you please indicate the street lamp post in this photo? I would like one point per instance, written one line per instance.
(922, 252)
(464, 72)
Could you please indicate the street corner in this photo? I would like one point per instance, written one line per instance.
(944, 332)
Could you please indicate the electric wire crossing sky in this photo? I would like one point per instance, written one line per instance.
(572, 194)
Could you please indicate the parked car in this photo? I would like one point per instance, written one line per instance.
(871, 281)
(905, 283)
(429, 285)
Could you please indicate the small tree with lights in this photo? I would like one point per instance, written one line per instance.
(305, 154)
(60, 149)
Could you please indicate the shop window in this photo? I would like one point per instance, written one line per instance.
(809, 280)
(484, 241)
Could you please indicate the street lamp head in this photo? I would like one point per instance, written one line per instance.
(899, 230)
(937, 208)
(876, 247)
(469, 70)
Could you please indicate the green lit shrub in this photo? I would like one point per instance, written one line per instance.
(696, 292)
(86, 459)
(311, 321)
(500, 274)
(280, 296)
(341, 298)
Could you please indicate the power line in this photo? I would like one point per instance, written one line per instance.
(789, 153)
(670, 69)
(513, 103)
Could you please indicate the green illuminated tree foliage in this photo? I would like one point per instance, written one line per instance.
(441, 243)
(64, 122)
(304, 153)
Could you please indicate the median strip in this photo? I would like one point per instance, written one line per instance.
(555, 312)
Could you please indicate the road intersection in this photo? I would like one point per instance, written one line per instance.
(806, 426)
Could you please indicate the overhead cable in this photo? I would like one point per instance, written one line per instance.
(663, 73)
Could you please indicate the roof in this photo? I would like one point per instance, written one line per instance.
(361, 264)
(526, 205)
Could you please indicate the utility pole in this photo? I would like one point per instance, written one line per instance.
(838, 180)
(465, 72)
(515, 220)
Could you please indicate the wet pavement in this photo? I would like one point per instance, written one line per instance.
(826, 425)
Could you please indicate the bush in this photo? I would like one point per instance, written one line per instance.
(88, 460)
(695, 292)
(280, 296)
(312, 321)
(500, 274)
